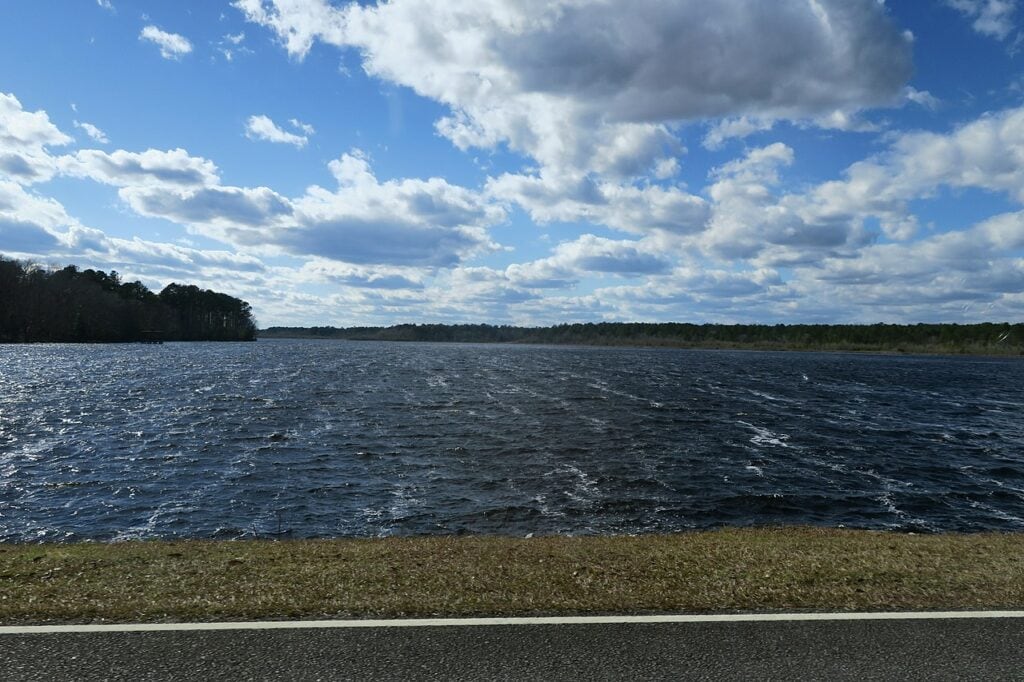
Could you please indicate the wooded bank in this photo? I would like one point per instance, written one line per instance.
(73, 305)
(982, 339)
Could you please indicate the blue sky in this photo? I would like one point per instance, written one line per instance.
(526, 162)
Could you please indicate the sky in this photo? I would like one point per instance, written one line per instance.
(531, 163)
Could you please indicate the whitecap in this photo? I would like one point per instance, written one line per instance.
(763, 436)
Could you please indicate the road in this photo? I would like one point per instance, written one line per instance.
(983, 649)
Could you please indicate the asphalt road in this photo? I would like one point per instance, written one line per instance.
(987, 649)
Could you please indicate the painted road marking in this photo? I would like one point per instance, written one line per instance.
(538, 620)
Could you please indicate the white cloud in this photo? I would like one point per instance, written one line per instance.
(752, 218)
(175, 167)
(172, 45)
(943, 276)
(730, 128)
(304, 127)
(409, 222)
(697, 288)
(24, 141)
(157, 257)
(397, 222)
(666, 168)
(20, 129)
(39, 228)
(623, 206)
(230, 45)
(106, 4)
(92, 131)
(30, 224)
(590, 86)
(987, 153)
(989, 17)
(479, 294)
(263, 128)
(362, 276)
(297, 25)
(921, 97)
(589, 254)
(748, 217)
(848, 120)
(231, 214)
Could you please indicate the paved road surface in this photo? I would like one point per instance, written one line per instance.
(987, 649)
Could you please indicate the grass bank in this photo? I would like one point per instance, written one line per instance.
(716, 571)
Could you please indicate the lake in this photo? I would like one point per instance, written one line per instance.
(327, 439)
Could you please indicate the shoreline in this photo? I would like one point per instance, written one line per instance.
(888, 352)
(729, 570)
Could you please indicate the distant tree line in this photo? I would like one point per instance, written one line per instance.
(985, 338)
(73, 305)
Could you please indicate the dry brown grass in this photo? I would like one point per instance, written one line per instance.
(717, 571)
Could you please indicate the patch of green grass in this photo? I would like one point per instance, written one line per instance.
(776, 569)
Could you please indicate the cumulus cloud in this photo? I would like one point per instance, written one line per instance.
(298, 25)
(993, 18)
(20, 237)
(27, 165)
(151, 167)
(691, 285)
(161, 257)
(20, 129)
(746, 213)
(238, 210)
(40, 228)
(106, 4)
(407, 222)
(976, 250)
(33, 225)
(592, 85)
(20, 167)
(597, 254)
(18, 203)
(987, 154)
(263, 128)
(589, 254)
(304, 127)
(230, 45)
(623, 206)
(753, 218)
(921, 97)
(475, 293)
(92, 131)
(399, 222)
(361, 276)
(172, 45)
(25, 137)
(730, 128)
(955, 275)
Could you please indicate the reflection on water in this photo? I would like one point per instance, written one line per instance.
(346, 438)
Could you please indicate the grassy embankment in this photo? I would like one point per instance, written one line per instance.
(718, 571)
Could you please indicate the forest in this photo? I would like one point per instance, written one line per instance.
(74, 305)
(985, 338)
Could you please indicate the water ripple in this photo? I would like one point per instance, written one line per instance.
(321, 439)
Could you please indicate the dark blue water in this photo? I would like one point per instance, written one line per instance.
(355, 439)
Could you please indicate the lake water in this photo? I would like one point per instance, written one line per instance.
(326, 439)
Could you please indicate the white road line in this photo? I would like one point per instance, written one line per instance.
(540, 620)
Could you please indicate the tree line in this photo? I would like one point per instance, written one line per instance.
(985, 338)
(74, 305)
